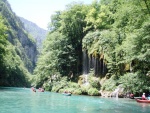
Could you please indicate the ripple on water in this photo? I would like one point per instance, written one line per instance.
(20, 100)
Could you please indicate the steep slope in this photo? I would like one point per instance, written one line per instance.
(20, 53)
(38, 33)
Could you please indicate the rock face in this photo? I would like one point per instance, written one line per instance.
(38, 33)
(24, 44)
(30, 49)
(97, 64)
(117, 93)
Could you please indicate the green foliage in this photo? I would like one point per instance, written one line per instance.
(3, 40)
(73, 85)
(134, 82)
(18, 37)
(77, 92)
(125, 40)
(57, 84)
(117, 31)
(99, 17)
(93, 92)
(55, 21)
(14, 72)
(47, 86)
(55, 57)
(85, 89)
(93, 81)
(14, 49)
(72, 24)
(61, 85)
(62, 50)
(110, 84)
(56, 88)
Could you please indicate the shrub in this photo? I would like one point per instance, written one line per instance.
(84, 89)
(61, 90)
(93, 92)
(70, 89)
(133, 81)
(77, 91)
(56, 88)
(58, 84)
(47, 87)
(94, 82)
(73, 85)
(109, 84)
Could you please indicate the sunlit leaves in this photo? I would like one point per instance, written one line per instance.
(55, 21)
(117, 29)
(99, 17)
(3, 29)
(3, 40)
(132, 82)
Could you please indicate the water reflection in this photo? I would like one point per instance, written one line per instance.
(144, 105)
(20, 100)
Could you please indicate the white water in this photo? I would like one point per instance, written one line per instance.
(116, 92)
(86, 79)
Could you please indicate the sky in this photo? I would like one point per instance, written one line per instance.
(40, 11)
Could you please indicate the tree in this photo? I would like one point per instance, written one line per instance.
(3, 43)
(72, 24)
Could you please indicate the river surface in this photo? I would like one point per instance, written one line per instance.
(20, 100)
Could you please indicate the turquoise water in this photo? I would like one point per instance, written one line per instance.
(20, 100)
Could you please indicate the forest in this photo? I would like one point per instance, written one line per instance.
(18, 50)
(107, 41)
(114, 33)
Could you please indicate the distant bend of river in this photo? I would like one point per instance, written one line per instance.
(20, 100)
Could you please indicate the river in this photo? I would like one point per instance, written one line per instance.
(23, 100)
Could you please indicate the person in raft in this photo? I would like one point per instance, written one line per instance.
(132, 96)
(144, 97)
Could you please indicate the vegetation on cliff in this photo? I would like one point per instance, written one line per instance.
(17, 49)
(113, 36)
(116, 33)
